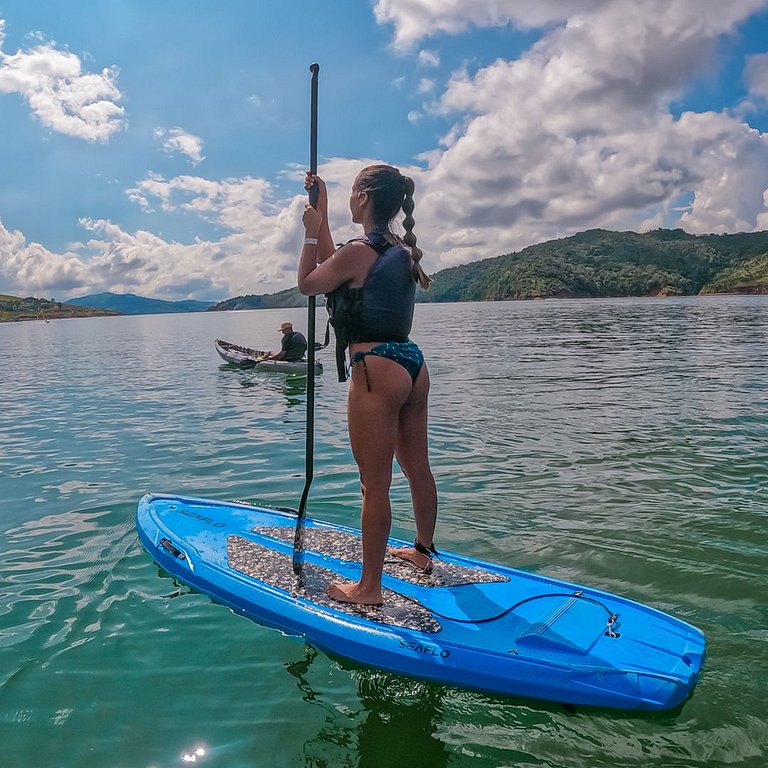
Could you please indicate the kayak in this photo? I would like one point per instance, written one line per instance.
(245, 357)
(468, 623)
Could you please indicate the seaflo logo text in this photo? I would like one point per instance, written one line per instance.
(425, 648)
(202, 518)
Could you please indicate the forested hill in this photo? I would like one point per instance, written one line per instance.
(281, 300)
(604, 263)
(131, 304)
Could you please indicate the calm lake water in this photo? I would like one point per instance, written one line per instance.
(621, 444)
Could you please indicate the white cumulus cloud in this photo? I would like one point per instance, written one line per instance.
(417, 19)
(60, 94)
(181, 141)
(578, 132)
(429, 58)
(756, 75)
(426, 85)
(28, 268)
(257, 254)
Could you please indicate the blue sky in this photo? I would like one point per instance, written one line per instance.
(158, 147)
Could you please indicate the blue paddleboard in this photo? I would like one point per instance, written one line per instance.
(469, 623)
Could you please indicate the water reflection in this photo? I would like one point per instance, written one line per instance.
(292, 387)
(396, 725)
(401, 724)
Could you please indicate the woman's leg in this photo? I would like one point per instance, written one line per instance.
(373, 428)
(413, 456)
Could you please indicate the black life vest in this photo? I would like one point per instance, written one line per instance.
(382, 310)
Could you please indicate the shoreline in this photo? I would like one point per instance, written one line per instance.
(9, 317)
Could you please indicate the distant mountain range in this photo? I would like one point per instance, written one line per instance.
(130, 304)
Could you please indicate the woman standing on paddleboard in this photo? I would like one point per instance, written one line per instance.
(371, 286)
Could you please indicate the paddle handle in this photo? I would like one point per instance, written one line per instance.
(298, 541)
(313, 191)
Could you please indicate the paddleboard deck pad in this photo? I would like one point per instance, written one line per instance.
(468, 623)
(276, 569)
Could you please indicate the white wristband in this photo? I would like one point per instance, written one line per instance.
(310, 241)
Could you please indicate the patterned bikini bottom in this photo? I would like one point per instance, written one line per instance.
(405, 353)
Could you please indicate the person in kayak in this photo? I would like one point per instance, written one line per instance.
(293, 345)
(370, 284)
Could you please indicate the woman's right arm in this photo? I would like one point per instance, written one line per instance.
(322, 268)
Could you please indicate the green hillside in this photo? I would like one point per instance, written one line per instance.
(604, 263)
(750, 276)
(13, 309)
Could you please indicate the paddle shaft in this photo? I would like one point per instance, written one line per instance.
(298, 541)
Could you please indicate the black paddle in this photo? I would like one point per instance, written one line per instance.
(298, 540)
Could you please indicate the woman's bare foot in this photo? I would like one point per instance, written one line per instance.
(352, 592)
(417, 559)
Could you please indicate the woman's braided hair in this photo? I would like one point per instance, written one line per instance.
(390, 192)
